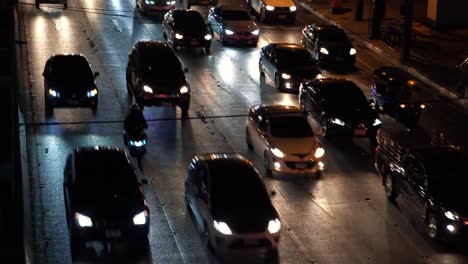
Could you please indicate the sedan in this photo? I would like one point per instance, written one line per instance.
(186, 28)
(274, 10)
(230, 206)
(158, 7)
(340, 107)
(69, 81)
(329, 46)
(282, 136)
(288, 64)
(233, 25)
(103, 198)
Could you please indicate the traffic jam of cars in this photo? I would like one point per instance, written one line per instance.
(286, 138)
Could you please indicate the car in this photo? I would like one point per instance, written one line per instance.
(201, 3)
(63, 2)
(231, 208)
(340, 107)
(397, 94)
(103, 198)
(233, 25)
(288, 64)
(329, 46)
(157, 7)
(155, 76)
(274, 10)
(186, 28)
(283, 137)
(429, 178)
(69, 81)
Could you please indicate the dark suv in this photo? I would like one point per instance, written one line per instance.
(155, 76)
(69, 81)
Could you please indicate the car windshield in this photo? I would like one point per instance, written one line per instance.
(236, 15)
(337, 97)
(71, 69)
(332, 35)
(294, 57)
(163, 67)
(190, 22)
(290, 127)
(236, 186)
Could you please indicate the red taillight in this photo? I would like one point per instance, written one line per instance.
(465, 222)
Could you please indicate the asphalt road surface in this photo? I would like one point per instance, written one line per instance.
(343, 217)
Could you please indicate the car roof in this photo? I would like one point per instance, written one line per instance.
(184, 11)
(396, 73)
(68, 57)
(150, 47)
(339, 82)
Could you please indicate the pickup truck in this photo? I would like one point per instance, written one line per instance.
(431, 178)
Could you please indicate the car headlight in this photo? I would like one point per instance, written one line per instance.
(319, 152)
(92, 93)
(352, 51)
(170, 3)
(228, 32)
(319, 76)
(222, 227)
(285, 76)
(179, 36)
(149, 2)
(140, 218)
(256, 32)
(270, 8)
(337, 121)
(137, 143)
(292, 8)
(54, 93)
(183, 89)
(423, 106)
(451, 215)
(323, 51)
(274, 226)
(377, 122)
(278, 153)
(83, 220)
(402, 106)
(208, 36)
(147, 89)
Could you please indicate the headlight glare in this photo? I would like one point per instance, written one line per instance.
(54, 93)
(140, 218)
(222, 227)
(179, 36)
(83, 220)
(256, 32)
(323, 51)
(292, 8)
(208, 36)
(274, 226)
(451, 215)
(285, 76)
(337, 121)
(147, 89)
(377, 122)
(270, 8)
(352, 51)
(92, 92)
(319, 76)
(228, 32)
(319, 152)
(278, 153)
(183, 89)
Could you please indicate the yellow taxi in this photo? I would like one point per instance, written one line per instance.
(274, 10)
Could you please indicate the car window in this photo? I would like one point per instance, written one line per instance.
(190, 21)
(236, 15)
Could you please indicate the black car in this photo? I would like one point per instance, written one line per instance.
(397, 93)
(103, 198)
(430, 178)
(157, 7)
(340, 107)
(288, 64)
(186, 28)
(230, 205)
(201, 3)
(329, 45)
(155, 76)
(69, 81)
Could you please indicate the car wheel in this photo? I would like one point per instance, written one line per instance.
(262, 15)
(268, 171)
(37, 4)
(184, 107)
(390, 187)
(94, 108)
(75, 246)
(260, 68)
(207, 50)
(277, 82)
(247, 139)
(432, 226)
(49, 108)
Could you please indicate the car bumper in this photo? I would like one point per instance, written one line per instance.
(353, 132)
(280, 15)
(72, 102)
(292, 85)
(192, 43)
(337, 61)
(243, 39)
(242, 246)
(134, 233)
(296, 167)
(161, 100)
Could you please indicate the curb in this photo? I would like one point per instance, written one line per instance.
(369, 45)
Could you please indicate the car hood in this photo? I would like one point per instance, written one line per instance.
(71, 87)
(302, 146)
(279, 3)
(246, 220)
(354, 116)
(240, 25)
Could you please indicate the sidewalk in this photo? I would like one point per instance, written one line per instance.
(434, 54)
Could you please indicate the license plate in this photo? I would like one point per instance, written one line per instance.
(194, 42)
(301, 166)
(113, 233)
(282, 16)
(251, 242)
(339, 59)
(360, 132)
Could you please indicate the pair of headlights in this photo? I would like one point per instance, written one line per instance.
(183, 90)
(274, 226)
(137, 143)
(272, 8)
(319, 152)
(90, 93)
(85, 221)
(230, 32)
(287, 76)
(323, 50)
(151, 2)
(180, 36)
(339, 122)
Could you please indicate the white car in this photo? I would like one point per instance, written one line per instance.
(284, 138)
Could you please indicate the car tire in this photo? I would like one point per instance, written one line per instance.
(260, 68)
(277, 82)
(184, 107)
(432, 226)
(75, 246)
(207, 50)
(247, 139)
(391, 189)
(268, 171)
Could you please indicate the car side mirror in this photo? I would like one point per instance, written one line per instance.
(186, 70)
(96, 74)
